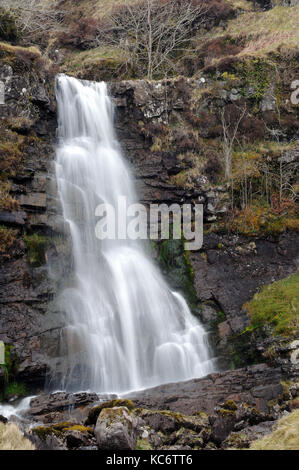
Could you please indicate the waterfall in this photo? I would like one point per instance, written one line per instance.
(126, 330)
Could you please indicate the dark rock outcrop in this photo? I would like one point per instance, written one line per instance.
(254, 385)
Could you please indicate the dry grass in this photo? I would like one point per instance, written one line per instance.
(95, 8)
(262, 32)
(241, 4)
(285, 436)
(79, 60)
(12, 439)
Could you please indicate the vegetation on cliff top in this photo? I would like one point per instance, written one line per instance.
(277, 306)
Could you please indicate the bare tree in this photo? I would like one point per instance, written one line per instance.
(33, 17)
(230, 131)
(153, 32)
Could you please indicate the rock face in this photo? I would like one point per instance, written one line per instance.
(234, 267)
(143, 110)
(116, 429)
(255, 385)
(227, 270)
(26, 289)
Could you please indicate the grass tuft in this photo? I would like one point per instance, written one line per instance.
(12, 439)
(284, 437)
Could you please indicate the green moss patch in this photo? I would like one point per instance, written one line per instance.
(176, 265)
(36, 246)
(277, 306)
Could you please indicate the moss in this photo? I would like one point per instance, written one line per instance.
(20, 58)
(77, 427)
(242, 350)
(237, 441)
(226, 413)
(230, 405)
(221, 317)
(143, 444)
(176, 265)
(57, 429)
(105, 62)
(36, 246)
(15, 389)
(96, 410)
(276, 305)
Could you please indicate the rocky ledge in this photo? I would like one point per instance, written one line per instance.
(223, 410)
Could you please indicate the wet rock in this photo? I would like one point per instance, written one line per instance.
(3, 419)
(208, 313)
(34, 201)
(50, 443)
(61, 401)
(15, 218)
(116, 429)
(204, 394)
(76, 438)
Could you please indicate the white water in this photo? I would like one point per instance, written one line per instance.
(18, 410)
(127, 330)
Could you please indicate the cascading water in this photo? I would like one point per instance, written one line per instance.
(126, 329)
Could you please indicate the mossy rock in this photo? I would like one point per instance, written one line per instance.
(143, 444)
(170, 421)
(56, 429)
(177, 267)
(230, 405)
(226, 413)
(78, 427)
(96, 410)
(36, 246)
(236, 441)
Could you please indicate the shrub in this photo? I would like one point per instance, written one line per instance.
(81, 34)
(34, 19)
(7, 240)
(213, 167)
(7, 202)
(186, 141)
(8, 28)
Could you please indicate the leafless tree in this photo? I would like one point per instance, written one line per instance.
(230, 131)
(153, 32)
(33, 17)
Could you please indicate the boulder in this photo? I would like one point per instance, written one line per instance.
(116, 429)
